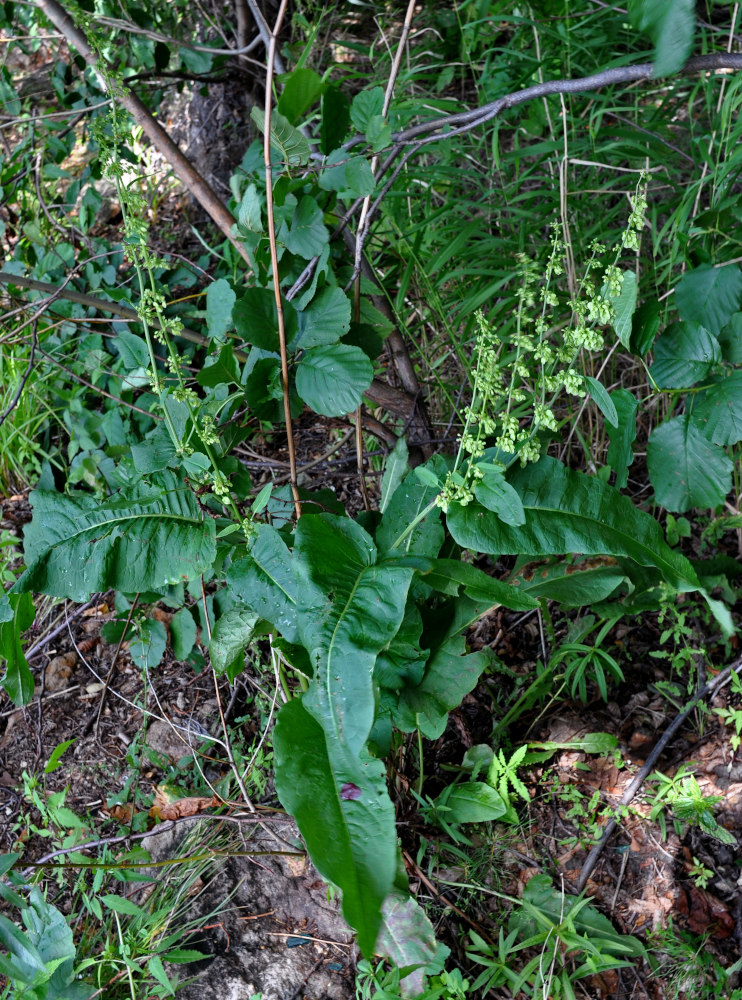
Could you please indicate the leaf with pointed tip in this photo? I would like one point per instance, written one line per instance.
(568, 511)
(145, 537)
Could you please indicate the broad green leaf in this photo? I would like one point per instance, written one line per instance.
(730, 340)
(289, 141)
(155, 453)
(600, 397)
(620, 453)
(366, 105)
(344, 813)
(249, 215)
(396, 468)
(17, 615)
(718, 409)
(670, 24)
(496, 494)
(645, 326)
(307, 234)
(450, 674)
(256, 320)
(473, 802)
(685, 468)
(231, 636)
(709, 296)
(408, 501)
(349, 607)
(683, 355)
(624, 305)
(220, 298)
(50, 933)
(183, 633)
(148, 648)
(379, 133)
(335, 119)
(132, 350)
(569, 512)
(406, 938)
(478, 585)
(332, 379)
(574, 584)
(264, 581)
(324, 321)
(145, 537)
(301, 88)
(351, 176)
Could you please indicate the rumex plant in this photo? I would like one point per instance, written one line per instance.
(370, 613)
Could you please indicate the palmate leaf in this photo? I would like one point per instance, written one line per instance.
(567, 511)
(146, 537)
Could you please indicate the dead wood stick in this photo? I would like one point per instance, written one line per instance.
(184, 170)
(644, 771)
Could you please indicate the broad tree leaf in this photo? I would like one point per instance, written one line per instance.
(332, 379)
(16, 615)
(132, 349)
(335, 119)
(367, 105)
(718, 409)
(183, 633)
(220, 298)
(684, 354)
(307, 234)
(148, 647)
(350, 176)
(709, 296)
(730, 340)
(685, 468)
(256, 320)
(567, 511)
(264, 581)
(351, 840)
(231, 636)
(289, 141)
(145, 537)
(301, 88)
(620, 453)
(324, 321)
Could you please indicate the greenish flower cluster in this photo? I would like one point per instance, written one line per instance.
(518, 382)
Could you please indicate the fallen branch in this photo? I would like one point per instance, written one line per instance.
(184, 170)
(646, 769)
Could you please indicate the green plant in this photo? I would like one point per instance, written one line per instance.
(682, 796)
(367, 615)
(571, 939)
(685, 963)
(733, 716)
